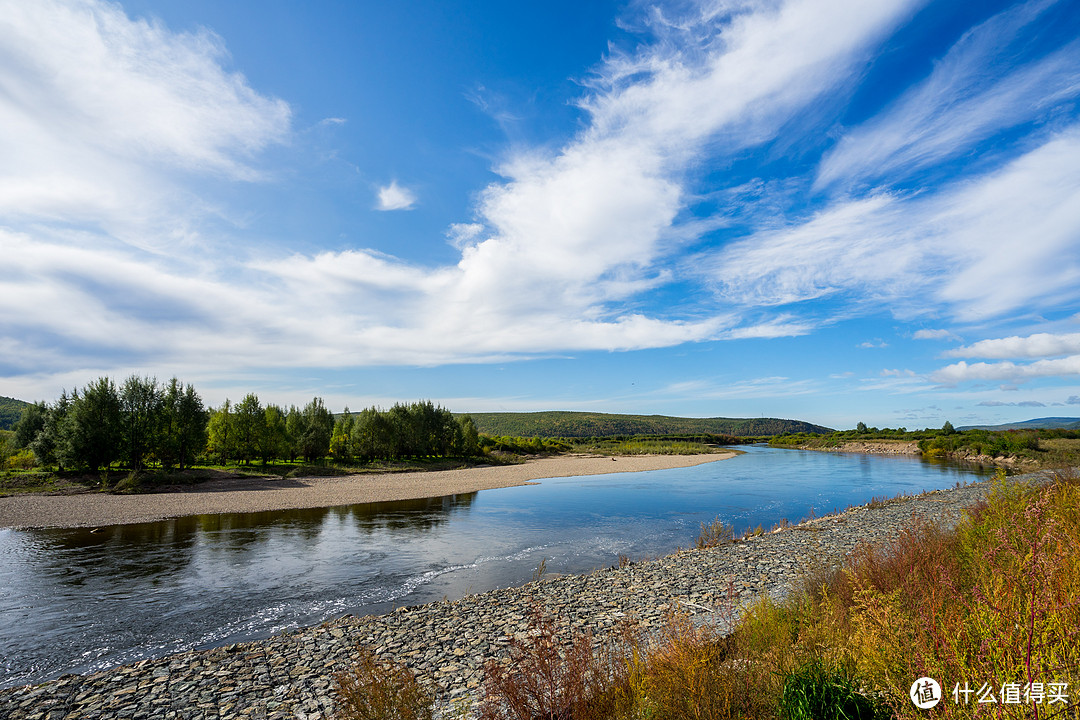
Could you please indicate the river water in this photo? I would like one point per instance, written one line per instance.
(79, 601)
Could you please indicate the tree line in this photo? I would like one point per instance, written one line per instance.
(102, 424)
(143, 422)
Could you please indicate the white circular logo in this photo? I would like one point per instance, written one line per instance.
(925, 693)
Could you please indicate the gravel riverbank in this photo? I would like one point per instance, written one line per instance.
(447, 643)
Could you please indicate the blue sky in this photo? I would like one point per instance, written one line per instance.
(830, 210)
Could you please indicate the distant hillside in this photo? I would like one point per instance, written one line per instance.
(10, 412)
(586, 424)
(1068, 423)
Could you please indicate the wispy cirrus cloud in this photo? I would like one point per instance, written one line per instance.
(954, 249)
(1022, 403)
(974, 92)
(935, 334)
(104, 116)
(569, 235)
(114, 125)
(559, 245)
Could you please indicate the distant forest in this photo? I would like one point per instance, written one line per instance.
(585, 424)
(10, 411)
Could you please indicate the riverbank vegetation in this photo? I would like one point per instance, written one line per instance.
(989, 609)
(142, 434)
(1042, 448)
(151, 433)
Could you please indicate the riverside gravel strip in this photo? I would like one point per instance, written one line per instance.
(94, 509)
(447, 643)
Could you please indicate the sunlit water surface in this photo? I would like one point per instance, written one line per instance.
(78, 601)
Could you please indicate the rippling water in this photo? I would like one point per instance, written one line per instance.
(78, 601)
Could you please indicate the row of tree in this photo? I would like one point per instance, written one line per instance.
(103, 423)
(247, 431)
(142, 421)
(419, 429)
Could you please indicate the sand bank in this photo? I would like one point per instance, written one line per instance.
(262, 494)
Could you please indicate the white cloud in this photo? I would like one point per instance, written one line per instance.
(1039, 345)
(395, 197)
(930, 334)
(563, 245)
(782, 326)
(962, 371)
(956, 249)
(569, 235)
(1022, 403)
(463, 234)
(761, 387)
(967, 98)
(103, 115)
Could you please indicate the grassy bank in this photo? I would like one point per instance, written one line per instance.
(158, 480)
(988, 609)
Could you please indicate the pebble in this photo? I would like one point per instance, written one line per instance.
(446, 644)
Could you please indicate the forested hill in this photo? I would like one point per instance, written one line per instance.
(1067, 423)
(10, 412)
(586, 424)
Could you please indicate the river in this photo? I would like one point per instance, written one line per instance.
(81, 600)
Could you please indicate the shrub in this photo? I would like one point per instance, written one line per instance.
(544, 680)
(714, 534)
(21, 459)
(379, 690)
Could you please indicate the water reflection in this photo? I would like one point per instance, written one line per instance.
(80, 600)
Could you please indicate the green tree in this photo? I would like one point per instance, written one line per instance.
(861, 427)
(341, 439)
(294, 428)
(220, 433)
(275, 440)
(947, 428)
(470, 438)
(249, 421)
(183, 431)
(372, 436)
(317, 428)
(140, 411)
(47, 441)
(91, 431)
(30, 424)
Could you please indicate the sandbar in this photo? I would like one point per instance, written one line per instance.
(264, 494)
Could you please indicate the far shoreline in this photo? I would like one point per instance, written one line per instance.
(91, 510)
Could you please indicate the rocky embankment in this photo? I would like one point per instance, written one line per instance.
(447, 643)
(874, 447)
(910, 447)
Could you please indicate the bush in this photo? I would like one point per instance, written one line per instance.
(714, 534)
(543, 680)
(20, 460)
(375, 690)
